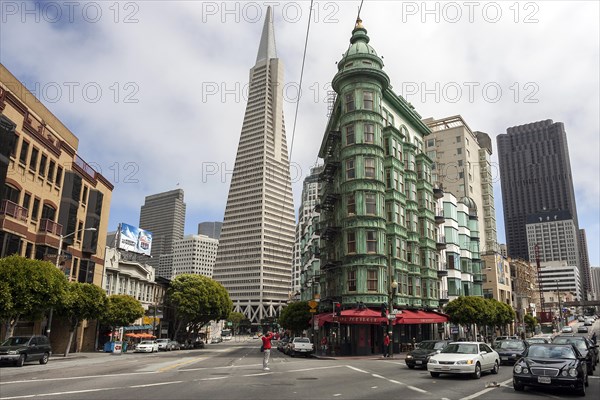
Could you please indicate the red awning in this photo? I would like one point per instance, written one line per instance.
(420, 317)
(364, 316)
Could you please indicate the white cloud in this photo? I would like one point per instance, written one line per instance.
(177, 52)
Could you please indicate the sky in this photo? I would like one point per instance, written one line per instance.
(156, 90)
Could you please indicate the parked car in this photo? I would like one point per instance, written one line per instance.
(464, 358)
(21, 349)
(146, 346)
(282, 344)
(511, 350)
(163, 344)
(583, 346)
(501, 338)
(538, 340)
(582, 329)
(588, 322)
(581, 318)
(567, 329)
(425, 349)
(300, 345)
(216, 339)
(551, 366)
(175, 345)
(198, 344)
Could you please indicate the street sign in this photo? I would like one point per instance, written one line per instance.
(313, 304)
(313, 310)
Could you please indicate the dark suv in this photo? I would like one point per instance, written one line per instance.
(20, 349)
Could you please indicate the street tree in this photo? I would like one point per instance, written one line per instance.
(81, 301)
(466, 310)
(504, 314)
(197, 300)
(296, 317)
(236, 319)
(530, 322)
(29, 289)
(121, 310)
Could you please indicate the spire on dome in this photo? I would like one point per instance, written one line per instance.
(266, 49)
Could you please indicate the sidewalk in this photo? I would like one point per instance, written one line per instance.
(82, 355)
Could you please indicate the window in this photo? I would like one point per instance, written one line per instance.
(352, 281)
(351, 242)
(35, 210)
(458, 139)
(370, 168)
(43, 162)
(48, 212)
(372, 280)
(59, 176)
(369, 133)
(84, 195)
(430, 142)
(350, 171)
(459, 151)
(350, 135)
(368, 101)
(34, 159)
(24, 151)
(349, 101)
(79, 230)
(371, 241)
(386, 146)
(51, 168)
(351, 205)
(370, 204)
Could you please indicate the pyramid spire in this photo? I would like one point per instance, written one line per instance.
(266, 49)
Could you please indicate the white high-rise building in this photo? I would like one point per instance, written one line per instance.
(254, 261)
(555, 235)
(558, 276)
(194, 254)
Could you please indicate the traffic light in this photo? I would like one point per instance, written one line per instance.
(338, 309)
(383, 310)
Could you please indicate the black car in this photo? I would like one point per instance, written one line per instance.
(551, 366)
(510, 350)
(420, 356)
(583, 346)
(21, 349)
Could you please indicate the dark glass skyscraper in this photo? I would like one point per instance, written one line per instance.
(535, 175)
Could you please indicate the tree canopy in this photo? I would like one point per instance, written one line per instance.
(236, 319)
(296, 316)
(197, 300)
(81, 301)
(121, 310)
(28, 288)
(467, 310)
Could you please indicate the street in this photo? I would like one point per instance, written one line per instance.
(233, 370)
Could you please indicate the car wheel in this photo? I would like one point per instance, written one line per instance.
(410, 366)
(20, 361)
(44, 359)
(581, 390)
(518, 387)
(434, 374)
(477, 373)
(496, 368)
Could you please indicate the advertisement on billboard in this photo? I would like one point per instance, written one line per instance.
(134, 239)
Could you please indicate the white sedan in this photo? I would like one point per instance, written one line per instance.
(464, 358)
(147, 346)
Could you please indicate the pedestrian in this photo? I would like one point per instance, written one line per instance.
(324, 345)
(594, 338)
(386, 345)
(266, 344)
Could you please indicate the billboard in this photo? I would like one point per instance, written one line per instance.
(134, 239)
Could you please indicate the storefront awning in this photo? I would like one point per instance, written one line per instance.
(137, 327)
(364, 316)
(420, 317)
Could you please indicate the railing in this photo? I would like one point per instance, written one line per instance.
(47, 225)
(13, 210)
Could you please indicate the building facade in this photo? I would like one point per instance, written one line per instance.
(309, 242)
(49, 196)
(210, 229)
(584, 266)
(525, 290)
(559, 276)
(595, 283)
(535, 175)
(194, 254)
(555, 236)
(462, 166)
(497, 279)
(377, 210)
(163, 214)
(254, 261)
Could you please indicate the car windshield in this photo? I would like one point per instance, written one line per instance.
(536, 340)
(16, 341)
(511, 345)
(146, 342)
(579, 343)
(460, 348)
(429, 345)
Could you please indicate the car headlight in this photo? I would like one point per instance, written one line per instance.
(525, 370)
(13, 352)
(514, 355)
(573, 372)
(464, 362)
(518, 369)
(408, 356)
(433, 361)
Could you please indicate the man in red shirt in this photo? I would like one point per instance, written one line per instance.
(386, 345)
(266, 342)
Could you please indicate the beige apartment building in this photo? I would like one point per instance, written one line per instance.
(48, 196)
(497, 281)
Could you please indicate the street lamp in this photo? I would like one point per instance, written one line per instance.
(391, 317)
(58, 253)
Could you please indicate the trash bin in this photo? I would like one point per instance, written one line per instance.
(109, 347)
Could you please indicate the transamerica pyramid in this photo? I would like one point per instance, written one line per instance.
(254, 260)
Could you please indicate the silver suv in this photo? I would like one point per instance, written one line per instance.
(164, 344)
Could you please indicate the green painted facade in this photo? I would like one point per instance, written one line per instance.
(377, 206)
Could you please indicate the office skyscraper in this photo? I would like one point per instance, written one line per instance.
(210, 229)
(163, 214)
(254, 259)
(535, 174)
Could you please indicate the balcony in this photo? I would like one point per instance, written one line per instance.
(440, 242)
(443, 297)
(439, 217)
(442, 271)
(438, 193)
(13, 218)
(478, 278)
(328, 172)
(328, 230)
(49, 226)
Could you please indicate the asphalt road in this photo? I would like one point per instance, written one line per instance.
(233, 370)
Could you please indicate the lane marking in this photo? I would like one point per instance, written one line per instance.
(154, 384)
(313, 369)
(260, 374)
(225, 367)
(397, 382)
(170, 367)
(211, 379)
(484, 391)
(61, 393)
(337, 394)
(378, 376)
(78, 377)
(356, 369)
(416, 389)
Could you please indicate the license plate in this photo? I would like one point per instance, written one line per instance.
(544, 379)
(418, 362)
(444, 368)
(504, 358)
